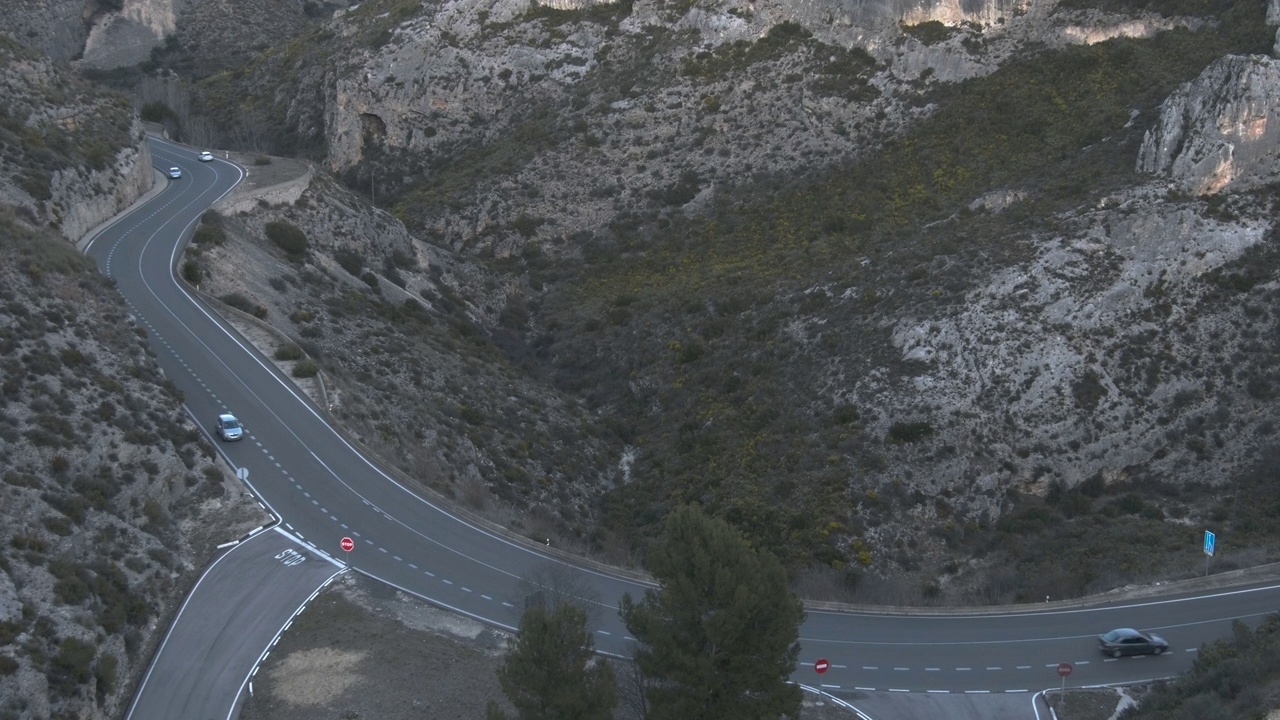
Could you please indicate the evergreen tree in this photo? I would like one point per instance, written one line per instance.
(551, 673)
(720, 636)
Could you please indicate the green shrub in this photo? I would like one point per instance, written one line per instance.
(207, 234)
(8, 665)
(157, 112)
(471, 415)
(154, 512)
(71, 667)
(288, 352)
(58, 464)
(58, 525)
(191, 272)
(350, 260)
(305, 369)
(105, 673)
(287, 237)
(901, 433)
(845, 414)
(262, 160)
(29, 542)
(244, 304)
(929, 33)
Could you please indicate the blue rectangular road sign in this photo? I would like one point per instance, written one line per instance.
(1209, 539)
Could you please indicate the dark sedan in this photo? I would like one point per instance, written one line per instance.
(1127, 641)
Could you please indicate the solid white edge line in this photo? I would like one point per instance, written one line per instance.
(235, 700)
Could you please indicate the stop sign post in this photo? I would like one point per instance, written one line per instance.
(347, 546)
(820, 667)
(1064, 669)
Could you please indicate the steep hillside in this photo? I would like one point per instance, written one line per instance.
(110, 495)
(897, 294)
(72, 154)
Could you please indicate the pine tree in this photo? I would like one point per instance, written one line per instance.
(551, 673)
(720, 636)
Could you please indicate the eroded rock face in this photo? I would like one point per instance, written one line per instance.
(126, 37)
(1038, 349)
(58, 27)
(1219, 132)
(83, 197)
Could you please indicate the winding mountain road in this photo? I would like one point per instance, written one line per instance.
(323, 489)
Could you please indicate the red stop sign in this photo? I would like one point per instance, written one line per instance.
(348, 544)
(821, 666)
(1064, 669)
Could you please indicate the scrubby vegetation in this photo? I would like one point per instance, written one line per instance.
(34, 145)
(1236, 678)
(99, 462)
(720, 288)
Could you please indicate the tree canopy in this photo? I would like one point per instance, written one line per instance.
(551, 673)
(720, 636)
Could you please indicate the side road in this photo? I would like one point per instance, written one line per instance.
(226, 625)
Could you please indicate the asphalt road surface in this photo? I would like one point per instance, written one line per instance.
(249, 593)
(323, 490)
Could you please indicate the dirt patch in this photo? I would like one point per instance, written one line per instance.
(318, 676)
(363, 650)
(1098, 703)
(263, 171)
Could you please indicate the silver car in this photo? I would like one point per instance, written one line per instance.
(229, 428)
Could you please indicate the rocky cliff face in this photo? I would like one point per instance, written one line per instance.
(89, 161)
(126, 36)
(1219, 134)
(56, 27)
(82, 198)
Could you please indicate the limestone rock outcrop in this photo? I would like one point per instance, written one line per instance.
(83, 197)
(126, 37)
(1219, 132)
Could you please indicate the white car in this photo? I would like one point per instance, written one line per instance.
(175, 172)
(229, 428)
(205, 156)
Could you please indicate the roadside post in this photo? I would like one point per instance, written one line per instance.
(1209, 540)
